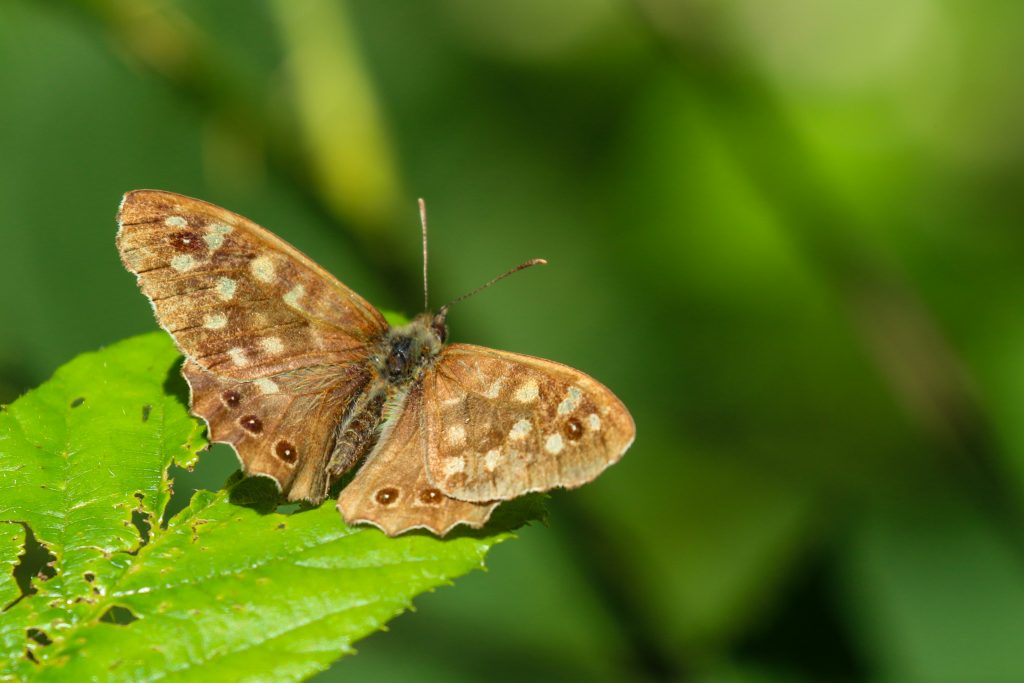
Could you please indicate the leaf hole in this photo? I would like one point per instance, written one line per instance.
(38, 636)
(217, 464)
(35, 563)
(140, 520)
(121, 616)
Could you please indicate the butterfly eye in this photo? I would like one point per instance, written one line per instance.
(398, 359)
(396, 363)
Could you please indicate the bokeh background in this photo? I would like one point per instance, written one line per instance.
(788, 234)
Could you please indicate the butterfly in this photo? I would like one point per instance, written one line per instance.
(307, 381)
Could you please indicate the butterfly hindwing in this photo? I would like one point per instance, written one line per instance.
(502, 424)
(282, 427)
(392, 490)
(237, 299)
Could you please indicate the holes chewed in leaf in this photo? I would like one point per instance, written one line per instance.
(38, 636)
(430, 496)
(251, 423)
(387, 496)
(231, 398)
(122, 616)
(573, 429)
(286, 452)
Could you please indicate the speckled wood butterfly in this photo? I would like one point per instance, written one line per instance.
(306, 380)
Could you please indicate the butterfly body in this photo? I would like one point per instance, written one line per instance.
(401, 358)
(306, 380)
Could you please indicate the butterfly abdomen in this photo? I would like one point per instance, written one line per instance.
(357, 435)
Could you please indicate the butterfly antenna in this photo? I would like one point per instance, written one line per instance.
(521, 266)
(423, 222)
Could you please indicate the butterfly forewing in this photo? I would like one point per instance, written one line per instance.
(282, 427)
(392, 490)
(237, 299)
(502, 424)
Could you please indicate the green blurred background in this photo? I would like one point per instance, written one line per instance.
(787, 234)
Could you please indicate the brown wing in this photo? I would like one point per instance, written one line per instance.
(503, 424)
(392, 490)
(237, 299)
(282, 426)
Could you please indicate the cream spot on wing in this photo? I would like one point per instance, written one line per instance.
(527, 391)
(494, 389)
(294, 294)
(183, 262)
(226, 288)
(215, 235)
(571, 402)
(520, 429)
(553, 445)
(175, 222)
(454, 465)
(238, 357)
(262, 268)
(492, 459)
(272, 345)
(594, 421)
(451, 401)
(215, 321)
(456, 434)
(267, 386)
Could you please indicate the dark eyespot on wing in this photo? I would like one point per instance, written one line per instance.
(387, 496)
(286, 451)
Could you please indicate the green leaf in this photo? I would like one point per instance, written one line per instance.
(11, 536)
(219, 591)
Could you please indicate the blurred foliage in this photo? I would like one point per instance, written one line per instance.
(787, 234)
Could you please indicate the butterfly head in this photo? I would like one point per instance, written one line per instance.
(413, 346)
